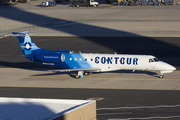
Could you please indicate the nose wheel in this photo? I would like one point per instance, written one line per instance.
(161, 76)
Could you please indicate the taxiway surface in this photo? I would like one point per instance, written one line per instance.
(120, 94)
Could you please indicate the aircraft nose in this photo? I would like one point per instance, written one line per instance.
(173, 68)
(170, 67)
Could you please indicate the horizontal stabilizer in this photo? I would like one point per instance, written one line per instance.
(77, 69)
(16, 34)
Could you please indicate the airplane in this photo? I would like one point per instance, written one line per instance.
(86, 63)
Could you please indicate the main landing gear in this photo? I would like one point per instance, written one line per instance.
(86, 73)
(80, 74)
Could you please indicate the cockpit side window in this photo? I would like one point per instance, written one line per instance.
(151, 60)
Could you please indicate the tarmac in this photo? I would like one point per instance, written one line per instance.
(40, 78)
(132, 29)
(105, 20)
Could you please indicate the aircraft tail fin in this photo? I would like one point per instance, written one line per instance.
(27, 45)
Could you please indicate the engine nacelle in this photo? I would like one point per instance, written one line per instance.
(49, 58)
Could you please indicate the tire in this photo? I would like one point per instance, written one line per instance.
(77, 76)
(161, 76)
(86, 73)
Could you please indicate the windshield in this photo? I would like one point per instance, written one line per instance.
(93, 1)
(153, 60)
(156, 60)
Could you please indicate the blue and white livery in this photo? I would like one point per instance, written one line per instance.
(84, 63)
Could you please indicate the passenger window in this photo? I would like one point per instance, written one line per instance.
(91, 59)
(85, 59)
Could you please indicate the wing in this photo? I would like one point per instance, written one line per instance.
(77, 69)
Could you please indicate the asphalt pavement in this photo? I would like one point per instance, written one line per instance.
(153, 30)
(112, 104)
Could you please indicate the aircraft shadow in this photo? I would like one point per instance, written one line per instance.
(38, 67)
(72, 74)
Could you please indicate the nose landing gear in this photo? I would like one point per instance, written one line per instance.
(161, 76)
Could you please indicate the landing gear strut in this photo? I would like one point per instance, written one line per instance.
(161, 75)
(79, 75)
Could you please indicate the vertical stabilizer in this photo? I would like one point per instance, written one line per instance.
(27, 45)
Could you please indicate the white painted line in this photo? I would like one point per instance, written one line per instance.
(141, 107)
(151, 107)
(161, 106)
(144, 118)
(113, 108)
(115, 113)
(175, 116)
(123, 107)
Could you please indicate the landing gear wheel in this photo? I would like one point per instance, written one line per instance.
(161, 76)
(77, 76)
(86, 73)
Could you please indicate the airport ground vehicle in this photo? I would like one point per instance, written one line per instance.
(48, 3)
(120, 2)
(84, 3)
(9, 2)
(45, 4)
(169, 2)
(145, 2)
(157, 2)
(134, 3)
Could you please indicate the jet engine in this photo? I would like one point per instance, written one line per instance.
(49, 58)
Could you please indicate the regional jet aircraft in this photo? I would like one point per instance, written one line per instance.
(84, 63)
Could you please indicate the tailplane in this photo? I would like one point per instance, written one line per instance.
(27, 45)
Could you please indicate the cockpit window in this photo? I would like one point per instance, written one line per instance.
(156, 60)
(151, 60)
